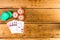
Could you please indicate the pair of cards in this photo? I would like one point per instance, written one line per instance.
(16, 26)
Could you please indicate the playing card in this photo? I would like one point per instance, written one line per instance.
(16, 26)
(9, 23)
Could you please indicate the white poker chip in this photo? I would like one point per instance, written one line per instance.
(15, 14)
(20, 11)
(21, 17)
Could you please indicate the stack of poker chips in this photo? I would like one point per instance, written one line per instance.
(6, 15)
(19, 14)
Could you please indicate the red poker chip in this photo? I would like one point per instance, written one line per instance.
(21, 17)
(15, 14)
(20, 11)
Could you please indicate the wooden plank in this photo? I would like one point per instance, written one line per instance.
(29, 39)
(38, 15)
(30, 3)
(32, 31)
(42, 15)
(33, 39)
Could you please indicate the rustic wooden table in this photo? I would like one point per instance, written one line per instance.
(42, 20)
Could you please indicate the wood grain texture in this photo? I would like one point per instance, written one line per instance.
(33, 39)
(30, 3)
(38, 15)
(34, 30)
(42, 15)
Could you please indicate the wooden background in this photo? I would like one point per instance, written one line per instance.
(42, 20)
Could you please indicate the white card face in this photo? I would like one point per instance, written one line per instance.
(16, 26)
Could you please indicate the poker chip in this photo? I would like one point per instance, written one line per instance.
(5, 16)
(15, 14)
(21, 17)
(20, 11)
(10, 13)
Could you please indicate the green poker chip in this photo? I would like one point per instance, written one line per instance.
(4, 16)
(10, 13)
